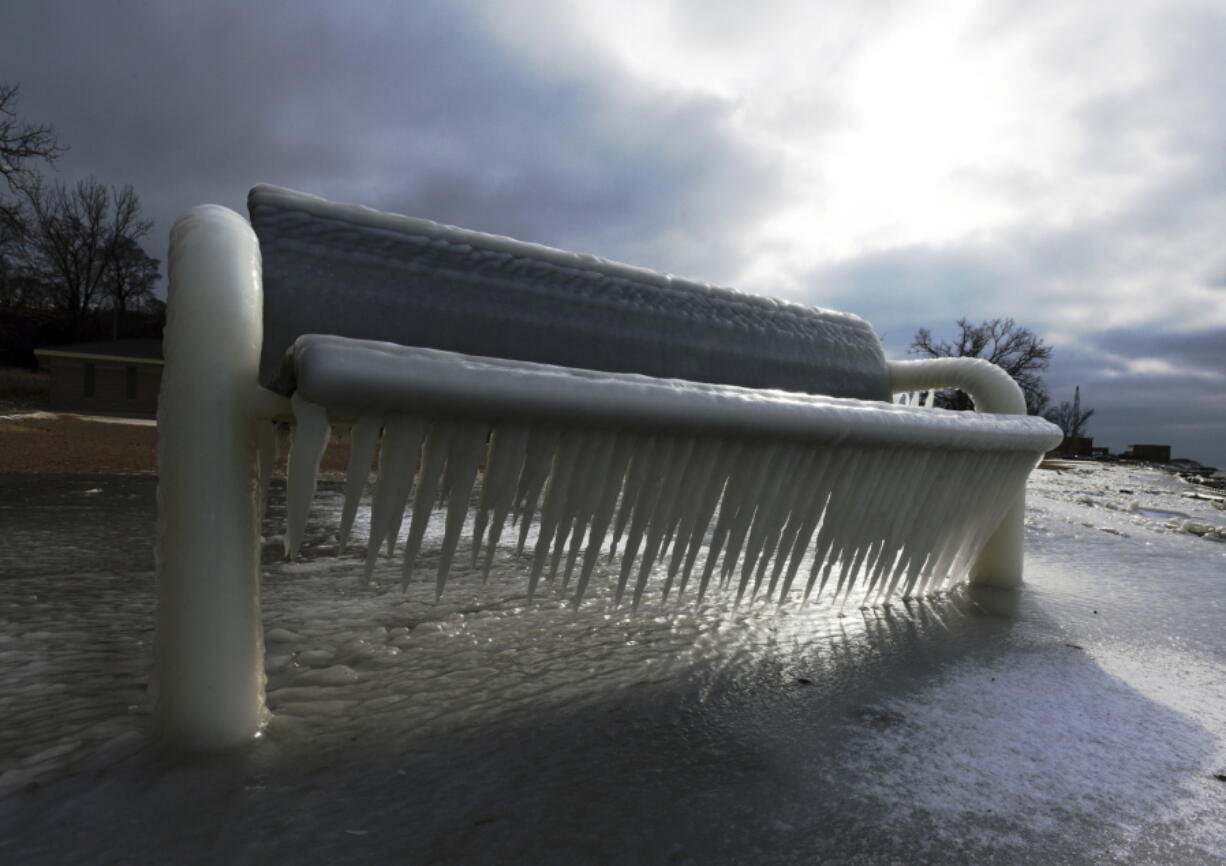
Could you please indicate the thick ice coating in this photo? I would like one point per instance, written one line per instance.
(355, 272)
(761, 492)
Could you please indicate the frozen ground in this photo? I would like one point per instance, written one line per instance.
(1081, 720)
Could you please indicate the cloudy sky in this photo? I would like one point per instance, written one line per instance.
(1060, 163)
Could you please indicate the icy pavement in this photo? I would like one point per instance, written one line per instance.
(1082, 720)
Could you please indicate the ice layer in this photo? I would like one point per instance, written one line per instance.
(356, 272)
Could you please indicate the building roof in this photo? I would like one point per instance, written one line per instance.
(147, 350)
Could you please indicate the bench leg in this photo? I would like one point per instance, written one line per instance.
(999, 563)
(208, 677)
(992, 390)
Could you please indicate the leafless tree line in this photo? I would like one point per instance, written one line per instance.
(67, 249)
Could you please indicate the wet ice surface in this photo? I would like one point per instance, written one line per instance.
(1081, 720)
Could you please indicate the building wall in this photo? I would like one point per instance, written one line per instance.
(118, 388)
(1152, 453)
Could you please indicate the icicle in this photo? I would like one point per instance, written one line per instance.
(397, 465)
(644, 504)
(571, 518)
(942, 493)
(502, 468)
(310, 439)
(610, 485)
(429, 478)
(869, 517)
(811, 503)
(906, 485)
(593, 491)
(881, 496)
(923, 524)
(750, 507)
(783, 510)
(364, 437)
(728, 457)
(833, 517)
(951, 497)
(551, 510)
(699, 473)
(463, 457)
(773, 499)
(854, 539)
(640, 456)
(968, 513)
(747, 462)
(667, 511)
(738, 508)
(542, 443)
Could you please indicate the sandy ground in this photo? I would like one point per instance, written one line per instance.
(45, 442)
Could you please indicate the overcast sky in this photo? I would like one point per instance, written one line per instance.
(1060, 163)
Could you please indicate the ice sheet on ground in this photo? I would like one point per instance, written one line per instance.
(1087, 711)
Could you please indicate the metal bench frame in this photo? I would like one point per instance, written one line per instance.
(209, 661)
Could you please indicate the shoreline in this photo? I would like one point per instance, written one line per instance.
(43, 443)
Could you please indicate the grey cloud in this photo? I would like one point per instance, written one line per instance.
(1203, 351)
(910, 287)
(901, 290)
(409, 107)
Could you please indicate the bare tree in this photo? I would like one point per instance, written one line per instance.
(20, 144)
(1013, 348)
(1069, 417)
(130, 281)
(76, 236)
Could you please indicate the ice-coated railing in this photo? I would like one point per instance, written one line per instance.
(699, 486)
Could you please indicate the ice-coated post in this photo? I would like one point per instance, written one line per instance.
(993, 390)
(208, 677)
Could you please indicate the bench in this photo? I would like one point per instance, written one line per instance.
(726, 442)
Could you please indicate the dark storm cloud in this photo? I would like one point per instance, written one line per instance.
(410, 107)
(1195, 351)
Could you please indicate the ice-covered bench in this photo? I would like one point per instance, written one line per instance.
(723, 440)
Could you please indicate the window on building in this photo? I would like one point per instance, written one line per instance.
(130, 372)
(88, 384)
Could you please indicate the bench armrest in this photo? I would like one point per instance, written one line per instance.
(989, 387)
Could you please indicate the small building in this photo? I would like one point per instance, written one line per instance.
(1150, 453)
(1074, 446)
(117, 377)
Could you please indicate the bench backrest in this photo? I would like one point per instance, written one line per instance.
(355, 272)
